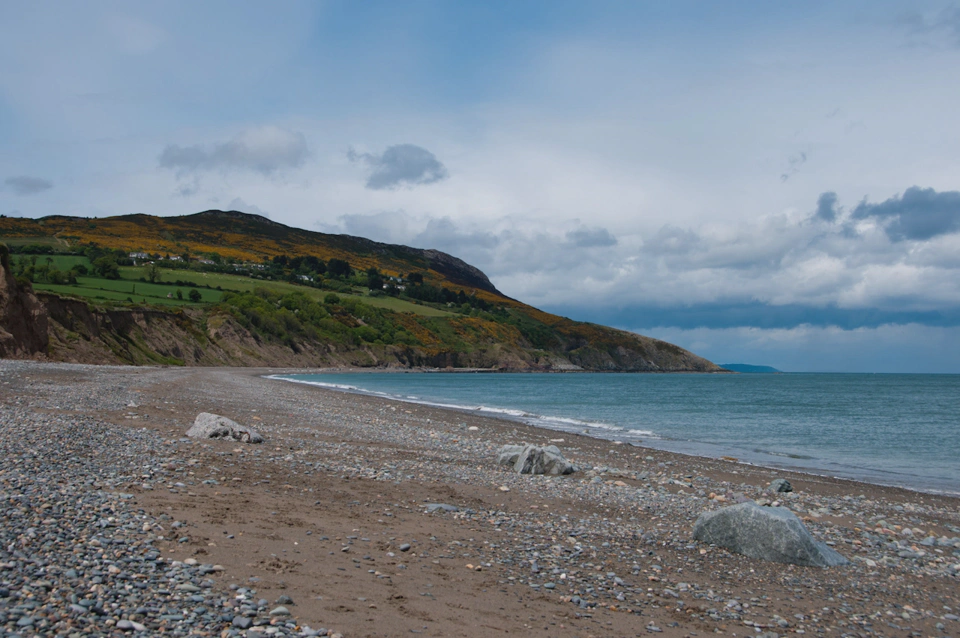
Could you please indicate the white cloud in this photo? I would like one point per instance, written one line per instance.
(780, 260)
(263, 150)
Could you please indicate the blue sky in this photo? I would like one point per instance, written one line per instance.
(760, 182)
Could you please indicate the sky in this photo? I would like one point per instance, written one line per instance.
(766, 183)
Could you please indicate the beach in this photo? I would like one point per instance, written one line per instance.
(331, 526)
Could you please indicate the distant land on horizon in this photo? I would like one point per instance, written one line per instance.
(748, 368)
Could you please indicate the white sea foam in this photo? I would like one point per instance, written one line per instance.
(334, 386)
(564, 424)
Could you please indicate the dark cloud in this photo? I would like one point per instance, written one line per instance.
(827, 207)
(26, 185)
(399, 165)
(188, 189)
(794, 162)
(265, 150)
(591, 237)
(919, 214)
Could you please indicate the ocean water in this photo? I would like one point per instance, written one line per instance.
(889, 429)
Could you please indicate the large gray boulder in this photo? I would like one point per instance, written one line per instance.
(532, 459)
(214, 426)
(767, 533)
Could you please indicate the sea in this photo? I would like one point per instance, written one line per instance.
(889, 429)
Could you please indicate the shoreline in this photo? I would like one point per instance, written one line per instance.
(603, 432)
(331, 512)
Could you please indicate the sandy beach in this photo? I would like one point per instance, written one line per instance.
(330, 526)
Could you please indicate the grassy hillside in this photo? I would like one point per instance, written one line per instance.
(234, 236)
(325, 298)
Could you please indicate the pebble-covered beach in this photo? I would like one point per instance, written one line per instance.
(363, 517)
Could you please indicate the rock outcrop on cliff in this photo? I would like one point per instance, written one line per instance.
(23, 319)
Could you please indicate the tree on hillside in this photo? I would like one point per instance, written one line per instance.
(374, 280)
(195, 296)
(338, 268)
(153, 273)
(106, 267)
(313, 264)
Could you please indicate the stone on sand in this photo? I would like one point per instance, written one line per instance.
(779, 485)
(214, 426)
(768, 533)
(532, 459)
(441, 507)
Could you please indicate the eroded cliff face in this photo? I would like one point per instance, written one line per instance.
(23, 319)
(83, 334)
(80, 333)
(59, 328)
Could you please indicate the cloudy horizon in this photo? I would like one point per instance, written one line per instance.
(759, 183)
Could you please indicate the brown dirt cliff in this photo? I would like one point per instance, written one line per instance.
(23, 319)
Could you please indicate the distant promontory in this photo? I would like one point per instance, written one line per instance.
(749, 369)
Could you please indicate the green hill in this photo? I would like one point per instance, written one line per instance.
(228, 288)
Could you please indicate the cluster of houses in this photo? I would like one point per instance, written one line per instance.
(148, 258)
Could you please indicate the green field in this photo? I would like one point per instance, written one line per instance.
(103, 294)
(397, 305)
(130, 286)
(211, 286)
(62, 262)
(241, 283)
(143, 289)
(122, 290)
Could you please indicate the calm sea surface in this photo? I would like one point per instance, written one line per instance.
(882, 428)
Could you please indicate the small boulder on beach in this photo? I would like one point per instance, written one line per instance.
(532, 459)
(441, 507)
(768, 533)
(214, 426)
(779, 485)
